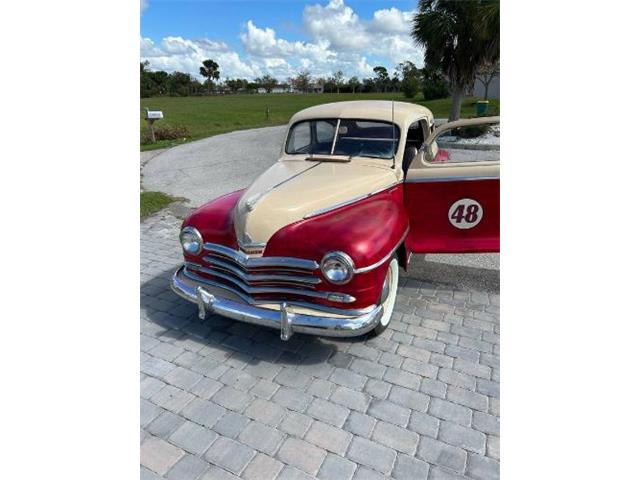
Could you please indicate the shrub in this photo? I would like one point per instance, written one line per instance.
(410, 86)
(167, 132)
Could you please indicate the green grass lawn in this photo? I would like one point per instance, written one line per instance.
(206, 116)
(151, 202)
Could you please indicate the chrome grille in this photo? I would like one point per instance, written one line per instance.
(272, 278)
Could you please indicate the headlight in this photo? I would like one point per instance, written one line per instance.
(191, 240)
(337, 267)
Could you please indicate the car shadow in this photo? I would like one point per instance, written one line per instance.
(167, 316)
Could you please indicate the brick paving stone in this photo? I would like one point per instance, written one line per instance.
(402, 378)
(438, 453)
(389, 412)
(483, 468)
(165, 424)
(368, 368)
(206, 388)
(462, 396)
(193, 438)
(320, 388)
(360, 424)
(188, 467)
(292, 399)
(148, 411)
(291, 473)
(372, 454)
(232, 399)
(409, 398)
(328, 412)
(328, 437)
(364, 473)
(150, 386)
(264, 389)
(172, 398)
(450, 411)
(261, 437)
(486, 423)
(410, 468)
(493, 447)
(392, 436)
(301, 455)
(203, 412)
(229, 454)
(351, 399)
(295, 423)
(378, 388)
(433, 388)
(424, 424)
(265, 411)
(336, 468)
(290, 377)
(238, 379)
(231, 424)
(158, 455)
(347, 378)
(262, 467)
(217, 473)
(438, 473)
(463, 437)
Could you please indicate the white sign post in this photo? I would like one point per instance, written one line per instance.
(152, 116)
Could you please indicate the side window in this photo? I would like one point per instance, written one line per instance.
(325, 131)
(415, 134)
(471, 143)
(299, 138)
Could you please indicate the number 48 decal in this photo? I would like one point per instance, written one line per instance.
(465, 213)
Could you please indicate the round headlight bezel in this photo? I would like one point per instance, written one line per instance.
(342, 259)
(198, 237)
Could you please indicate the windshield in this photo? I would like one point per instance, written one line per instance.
(353, 138)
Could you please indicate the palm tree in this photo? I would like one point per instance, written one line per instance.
(210, 71)
(458, 37)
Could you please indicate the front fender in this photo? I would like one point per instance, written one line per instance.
(367, 231)
(214, 220)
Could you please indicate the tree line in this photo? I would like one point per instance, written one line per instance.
(406, 78)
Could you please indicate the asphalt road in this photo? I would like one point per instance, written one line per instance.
(202, 170)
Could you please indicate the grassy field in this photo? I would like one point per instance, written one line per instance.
(206, 116)
(151, 202)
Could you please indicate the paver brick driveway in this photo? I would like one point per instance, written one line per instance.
(222, 399)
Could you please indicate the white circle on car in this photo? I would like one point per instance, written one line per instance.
(465, 213)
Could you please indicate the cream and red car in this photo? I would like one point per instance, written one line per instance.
(315, 244)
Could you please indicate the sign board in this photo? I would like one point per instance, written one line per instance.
(154, 115)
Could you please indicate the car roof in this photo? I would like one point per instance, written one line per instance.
(404, 114)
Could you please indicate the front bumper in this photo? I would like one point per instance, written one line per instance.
(284, 319)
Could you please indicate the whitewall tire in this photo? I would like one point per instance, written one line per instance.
(388, 296)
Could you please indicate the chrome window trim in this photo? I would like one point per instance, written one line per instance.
(449, 179)
(257, 290)
(385, 258)
(251, 262)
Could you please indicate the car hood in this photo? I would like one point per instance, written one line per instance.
(293, 189)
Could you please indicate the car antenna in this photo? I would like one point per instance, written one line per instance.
(393, 137)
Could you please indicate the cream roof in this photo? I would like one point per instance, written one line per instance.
(404, 114)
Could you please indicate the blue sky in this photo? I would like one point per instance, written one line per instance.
(249, 38)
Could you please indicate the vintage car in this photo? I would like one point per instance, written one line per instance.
(315, 244)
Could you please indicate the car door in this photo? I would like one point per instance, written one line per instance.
(452, 189)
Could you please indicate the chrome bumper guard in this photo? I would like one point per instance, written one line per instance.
(285, 320)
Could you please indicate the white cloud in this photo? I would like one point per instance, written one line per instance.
(339, 40)
(177, 53)
(144, 4)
